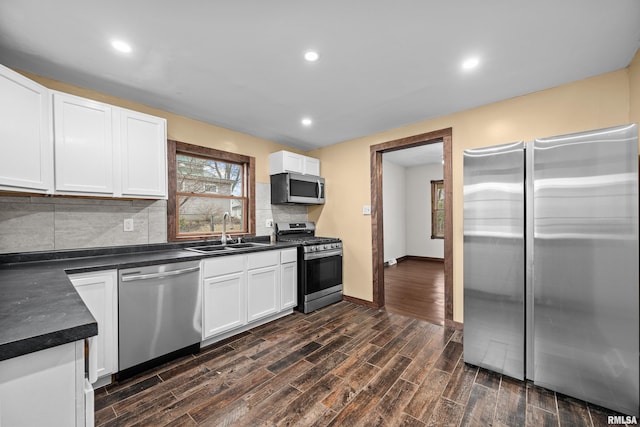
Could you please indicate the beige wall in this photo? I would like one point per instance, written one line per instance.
(587, 104)
(184, 129)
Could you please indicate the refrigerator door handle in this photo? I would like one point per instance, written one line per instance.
(529, 271)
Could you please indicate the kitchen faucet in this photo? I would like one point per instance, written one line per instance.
(225, 217)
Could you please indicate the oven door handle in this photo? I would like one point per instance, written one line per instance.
(322, 254)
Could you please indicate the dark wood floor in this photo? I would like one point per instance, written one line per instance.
(415, 288)
(344, 365)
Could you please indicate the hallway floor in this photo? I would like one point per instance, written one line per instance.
(415, 288)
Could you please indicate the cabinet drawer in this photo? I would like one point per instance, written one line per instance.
(263, 259)
(289, 255)
(223, 265)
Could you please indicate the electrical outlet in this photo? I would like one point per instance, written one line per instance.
(128, 224)
(269, 223)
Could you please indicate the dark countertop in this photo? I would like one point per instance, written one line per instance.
(39, 306)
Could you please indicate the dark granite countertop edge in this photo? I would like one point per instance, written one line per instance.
(52, 339)
(39, 266)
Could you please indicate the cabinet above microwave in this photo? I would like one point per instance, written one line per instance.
(288, 162)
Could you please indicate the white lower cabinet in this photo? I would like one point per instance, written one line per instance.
(242, 291)
(289, 278)
(224, 294)
(263, 283)
(45, 388)
(99, 291)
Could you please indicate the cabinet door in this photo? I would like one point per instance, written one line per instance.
(289, 277)
(41, 388)
(143, 154)
(83, 144)
(311, 166)
(263, 292)
(285, 161)
(99, 293)
(26, 143)
(224, 303)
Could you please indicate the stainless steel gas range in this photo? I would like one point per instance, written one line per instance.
(319, 265)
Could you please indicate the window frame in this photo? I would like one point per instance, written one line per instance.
(177, 147)
(435, 185)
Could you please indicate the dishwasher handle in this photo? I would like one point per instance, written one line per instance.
(161, 275)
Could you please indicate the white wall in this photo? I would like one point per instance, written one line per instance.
(406, 193)
(418, 217)
(394, 207)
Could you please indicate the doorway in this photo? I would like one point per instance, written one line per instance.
(376, 152)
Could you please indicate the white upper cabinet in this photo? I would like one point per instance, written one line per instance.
(310, 166)
(106, 150)
(26, 143)
(100, 149)
(143, 165)
(83, 145)
(286, 161)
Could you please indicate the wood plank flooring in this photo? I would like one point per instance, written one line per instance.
(343, 365)
(415, 288)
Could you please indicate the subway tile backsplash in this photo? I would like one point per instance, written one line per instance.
(49, 223)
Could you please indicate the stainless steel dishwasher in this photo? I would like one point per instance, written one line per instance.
(159, 315)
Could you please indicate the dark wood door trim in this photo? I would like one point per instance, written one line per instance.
(376, 151)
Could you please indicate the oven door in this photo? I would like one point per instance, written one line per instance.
(322, 273)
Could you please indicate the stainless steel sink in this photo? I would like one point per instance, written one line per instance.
(207, 249)
(245, 245)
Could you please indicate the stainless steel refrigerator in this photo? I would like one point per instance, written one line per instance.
(551, 264)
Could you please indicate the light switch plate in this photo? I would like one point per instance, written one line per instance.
(366, 209)
(128, 224)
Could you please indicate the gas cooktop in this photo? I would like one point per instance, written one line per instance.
(302, 233)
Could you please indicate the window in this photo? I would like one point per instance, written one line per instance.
(204, 183)
(437, 209)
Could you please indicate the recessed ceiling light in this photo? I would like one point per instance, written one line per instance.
(470, 63)
(306, 121)
(121, 46)
(311, 56)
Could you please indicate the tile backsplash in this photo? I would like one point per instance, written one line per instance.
(49, 223)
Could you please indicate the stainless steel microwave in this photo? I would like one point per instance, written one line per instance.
(292, 188)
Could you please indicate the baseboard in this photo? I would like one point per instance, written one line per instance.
(360, 301)
(423, 258)
(415, 258)
(453, 324)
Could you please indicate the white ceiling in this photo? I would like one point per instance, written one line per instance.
(416, 156)
(383, 64)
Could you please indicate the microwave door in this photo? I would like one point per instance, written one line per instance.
(295, 188)
(304, 189)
